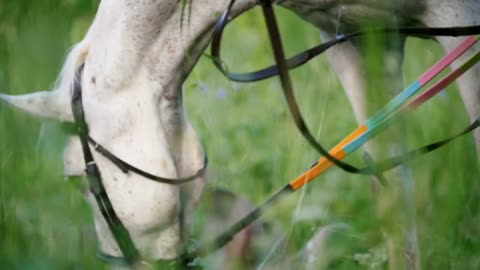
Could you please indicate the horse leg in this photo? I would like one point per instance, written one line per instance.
(444, 15)
(394, 202)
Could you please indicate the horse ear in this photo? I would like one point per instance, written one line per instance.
(44, 104)
(54, 104)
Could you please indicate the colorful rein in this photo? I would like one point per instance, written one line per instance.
(373, 125)
(359, 136)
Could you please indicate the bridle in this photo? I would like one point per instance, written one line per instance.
(283, 65)
(82, 130)
(121, 235)
(281, 68)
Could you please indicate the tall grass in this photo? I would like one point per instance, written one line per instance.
(251, 142)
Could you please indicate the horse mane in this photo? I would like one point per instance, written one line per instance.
(75, 58)
(54, 104)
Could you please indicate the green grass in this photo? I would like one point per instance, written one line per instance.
(252, 144)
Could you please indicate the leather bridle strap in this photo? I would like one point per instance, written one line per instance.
(222, 239)
(131, 256)
(118, 230)
(126, 167)
(294, 185)
(228, 235)
(361, 135)
(307, 55)
(283, 65)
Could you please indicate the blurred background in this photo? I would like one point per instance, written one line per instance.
(252, 144)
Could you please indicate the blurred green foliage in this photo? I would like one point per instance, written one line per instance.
(251, 142)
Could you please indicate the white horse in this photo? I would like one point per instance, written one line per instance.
(136, 56)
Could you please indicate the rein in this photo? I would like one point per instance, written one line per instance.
(359, 136)
(126, 167)
(283, 65)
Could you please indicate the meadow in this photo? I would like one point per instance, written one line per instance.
(252, 144)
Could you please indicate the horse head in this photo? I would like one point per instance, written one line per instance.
(135, 57)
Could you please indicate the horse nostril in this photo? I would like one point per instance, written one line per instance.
(93, 80)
